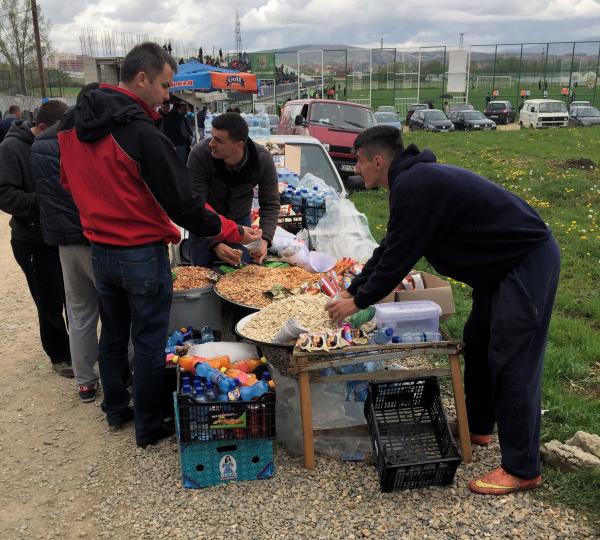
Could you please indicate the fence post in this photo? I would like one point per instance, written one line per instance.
(546, 65)
(394, 98)
(571, 69)
(596, 76)
(419, 79)
(494, 70)
(518, 93)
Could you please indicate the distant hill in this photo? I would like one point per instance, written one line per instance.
(310, 47)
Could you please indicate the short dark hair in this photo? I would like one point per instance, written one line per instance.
(385, 140)
(90, 87)
(232, 123)
(147, 57)
(51, 112)
(13, 109)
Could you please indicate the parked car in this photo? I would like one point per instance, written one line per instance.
(501, 112)
(386, 108)
(543, 113)
(274, 121)
(335, 123)
(471, 120)
(584, 116)
(415, 107)
(462, 107)
(388, 119)
(430, 120)
(314, 159)
(579, 104)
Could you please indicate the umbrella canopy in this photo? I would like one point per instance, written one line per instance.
(196, 76)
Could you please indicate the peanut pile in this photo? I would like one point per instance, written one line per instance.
(192, 277)
(250, 285)
(307, 309)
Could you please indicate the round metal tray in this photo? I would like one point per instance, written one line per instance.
(230, 301)
(239, 330)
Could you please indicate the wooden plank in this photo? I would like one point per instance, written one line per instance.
(356, 431)
(307, 428)
(461, 409)
(387, 375)
(456, 345)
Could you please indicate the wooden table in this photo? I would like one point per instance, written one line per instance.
(303, 364)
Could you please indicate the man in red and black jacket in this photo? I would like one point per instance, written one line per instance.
(130, 186)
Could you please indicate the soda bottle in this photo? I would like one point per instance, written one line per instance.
(225, 383)
(249, 365)
(206, 334)
(176, 338)
(251, 392)
(211, 391)
(186, 387)
(188, 363)
(247, 379)
(199, 393)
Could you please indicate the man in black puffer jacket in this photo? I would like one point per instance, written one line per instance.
(61, 227)
(39, 261)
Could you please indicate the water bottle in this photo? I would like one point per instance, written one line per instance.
(225, 383)
(206, 334)
(255, 391)
(310, 210)
(320, 206)
(176, 338)
(186, 387)
(297, 201)
(432, 336)
(304, 198)
(199, 393)
(211, 391)
(383, 335)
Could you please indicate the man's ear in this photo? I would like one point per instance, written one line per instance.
(141, 79)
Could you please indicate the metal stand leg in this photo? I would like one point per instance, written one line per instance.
(461, 409)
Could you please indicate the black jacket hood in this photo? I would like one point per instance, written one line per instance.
(21, 129)
(408, 157)
(101, 111)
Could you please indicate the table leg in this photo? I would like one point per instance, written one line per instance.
(461, 409)
(307, 427)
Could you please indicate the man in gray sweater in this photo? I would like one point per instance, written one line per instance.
(225, 171)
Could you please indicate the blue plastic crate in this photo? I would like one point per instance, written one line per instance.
(207, 464)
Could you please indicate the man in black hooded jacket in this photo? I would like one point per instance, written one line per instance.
(478, 233)
(40, 262)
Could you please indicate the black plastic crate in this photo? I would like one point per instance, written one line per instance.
(412, 442)
(292, 224)
(225, 420)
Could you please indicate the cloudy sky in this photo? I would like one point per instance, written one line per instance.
(282, 23)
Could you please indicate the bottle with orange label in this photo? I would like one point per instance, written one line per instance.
(249, 365)
(188, 363)
(247, 379)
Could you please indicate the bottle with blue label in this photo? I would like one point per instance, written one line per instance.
(206, 334)
(255, 391)
(199, 393)
(297, 201)
(225, 383)
(211, 391)
(311, 210)
(186, 387)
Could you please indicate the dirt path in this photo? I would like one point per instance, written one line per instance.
(63, 475)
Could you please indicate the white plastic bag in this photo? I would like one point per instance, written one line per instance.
(310, 180)
(344, 232)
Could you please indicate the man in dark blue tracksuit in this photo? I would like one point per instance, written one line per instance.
(476, 232)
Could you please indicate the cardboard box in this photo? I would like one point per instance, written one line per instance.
(436, 289)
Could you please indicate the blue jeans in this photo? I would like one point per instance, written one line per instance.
(203, 255)
(135, 290)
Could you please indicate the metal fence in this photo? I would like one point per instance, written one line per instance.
(58, 83)
(400, 77)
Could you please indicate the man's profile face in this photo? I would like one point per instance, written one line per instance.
(223, 147)
(155, 91)
(369, 169)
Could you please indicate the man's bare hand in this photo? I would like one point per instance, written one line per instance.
(340, 309)
(227, 254)
(258, 255)
(251, 235)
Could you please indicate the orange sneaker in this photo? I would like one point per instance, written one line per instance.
(499, 482)
(481, 440)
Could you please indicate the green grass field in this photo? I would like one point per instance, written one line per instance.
(532, 165)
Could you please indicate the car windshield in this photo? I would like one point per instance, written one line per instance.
(342, 116)
(435, 115)
(386, 117)
(474, 115)
(587, 111)
(314, 160)
(496, 106)
(553, 107)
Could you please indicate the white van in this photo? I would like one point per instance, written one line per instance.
(543, 113)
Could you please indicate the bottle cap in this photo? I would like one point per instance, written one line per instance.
(389, 331)
(396, 339)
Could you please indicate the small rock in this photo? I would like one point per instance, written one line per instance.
(568, 458)
(587, 442)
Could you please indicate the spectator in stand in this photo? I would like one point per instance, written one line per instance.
(200, 55)
(14, 113)
(220, 53)
(545, 94)
(496, 93)
(61, 227)
(201, 121)
(527, 93)
(130, 187)
(39, 261)
(488, 98)
(446, 108)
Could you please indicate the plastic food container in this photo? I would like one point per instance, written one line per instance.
(419, 316)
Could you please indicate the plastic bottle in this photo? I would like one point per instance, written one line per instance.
(247, 379)
(383, 335)
(225, 383)
(199, 393)
(206, 334)
(186, 387)
(176, 338)
(297, 201)
(211, 391)
(249, 365)
(251, 392)
(304, 196)
(310, 210)
(188, 363)
(321, 207)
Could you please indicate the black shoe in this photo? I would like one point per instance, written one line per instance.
(64, 369)
(167, 429)
(114, 424)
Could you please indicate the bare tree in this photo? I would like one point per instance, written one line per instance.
(17, 42)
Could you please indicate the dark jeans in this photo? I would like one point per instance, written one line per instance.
(505, 340)
(135, 290)
(203, 255)
(41, 265)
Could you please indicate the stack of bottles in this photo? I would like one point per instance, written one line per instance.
(309, 203)
(289, 177)
(181, 340)
(259, 126)
(386, 335)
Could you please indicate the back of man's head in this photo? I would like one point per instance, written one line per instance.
(50, 113)
(147, 57)
(15, 109)
(234, 124)
(383, 140)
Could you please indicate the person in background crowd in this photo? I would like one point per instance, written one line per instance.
(545, 94)
(39, 261)
(226, 169)
(61, 227)
(527, 93)
(130, 186)
(201, 121)
(175, 128)
(446, 108)
(488, 98)
(478, 233)
(14, 113)
(163, 111)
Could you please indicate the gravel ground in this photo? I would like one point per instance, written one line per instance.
(64, 475)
